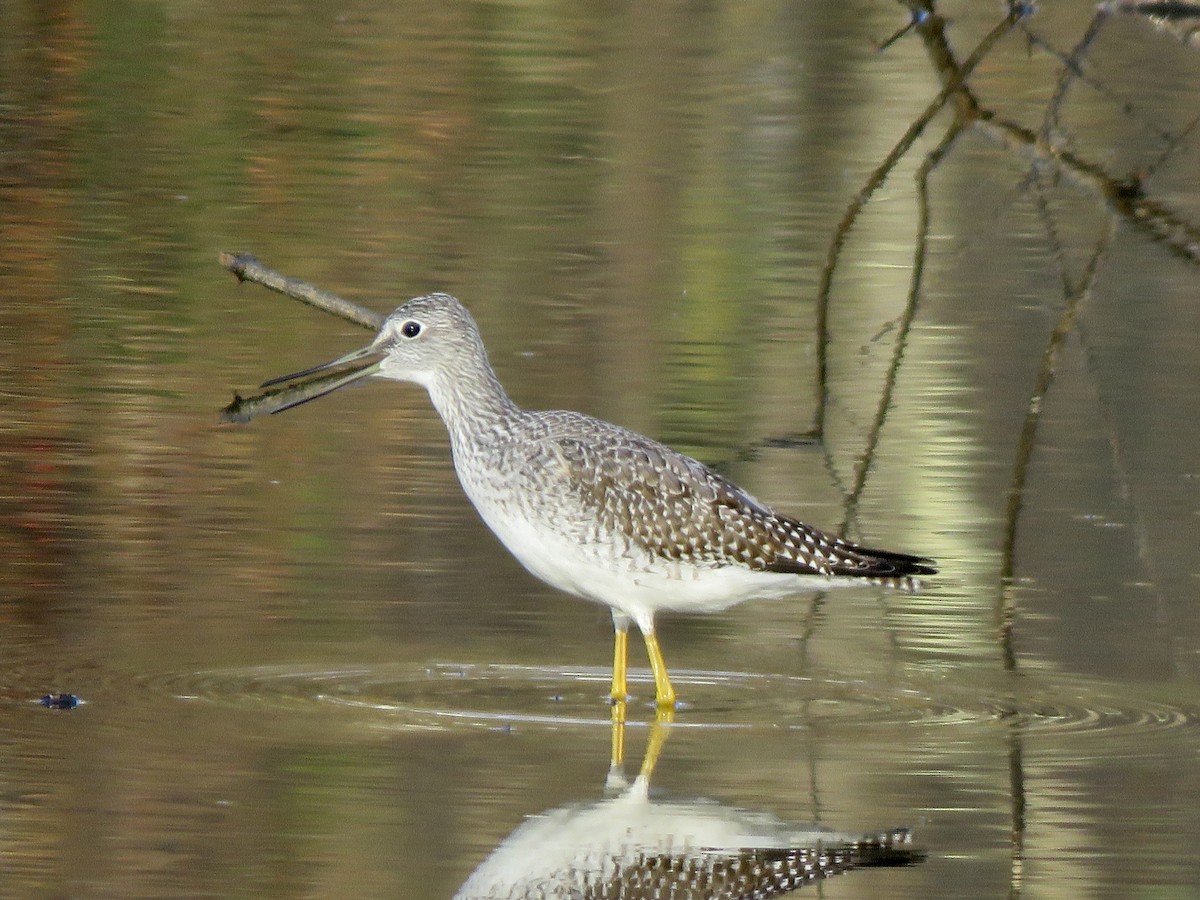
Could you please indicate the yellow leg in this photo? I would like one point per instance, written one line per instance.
(664, 694)
(620, 687)
(658, 736)
(617, 757)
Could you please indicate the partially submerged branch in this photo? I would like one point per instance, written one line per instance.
(301, 390)
(953, 88)
(1125, 196)
(247, 268)
(863, 470)
(1075, 295)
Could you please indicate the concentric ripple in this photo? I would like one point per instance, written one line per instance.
(1100, 716)
(474, 695)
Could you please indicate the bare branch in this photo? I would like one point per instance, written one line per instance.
(932, 28)
(935, 156)
(247, 268)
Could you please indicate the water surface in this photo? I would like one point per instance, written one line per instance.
(307, 669)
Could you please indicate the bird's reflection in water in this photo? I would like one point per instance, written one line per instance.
(630, 845)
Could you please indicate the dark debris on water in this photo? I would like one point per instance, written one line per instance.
(60, 701)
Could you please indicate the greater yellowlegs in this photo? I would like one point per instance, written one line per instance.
(636, 844)
(592, 508)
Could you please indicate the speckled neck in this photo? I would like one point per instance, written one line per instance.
(471, 400)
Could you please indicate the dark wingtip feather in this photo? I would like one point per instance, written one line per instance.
(862, 562)
(888, 564)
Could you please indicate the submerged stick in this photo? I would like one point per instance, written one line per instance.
(277, 399)
(248, 268)
(301, 390)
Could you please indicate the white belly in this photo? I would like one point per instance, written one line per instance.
(637, 585)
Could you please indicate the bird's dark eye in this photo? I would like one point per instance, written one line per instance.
(410, 329)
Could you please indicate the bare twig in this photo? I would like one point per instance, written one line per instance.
(1076, 295)
(1125, 196)
(247, 268)
(1017, 813)
(904, 326)
(1116, 448)
(931, 26)
(1071, 70)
